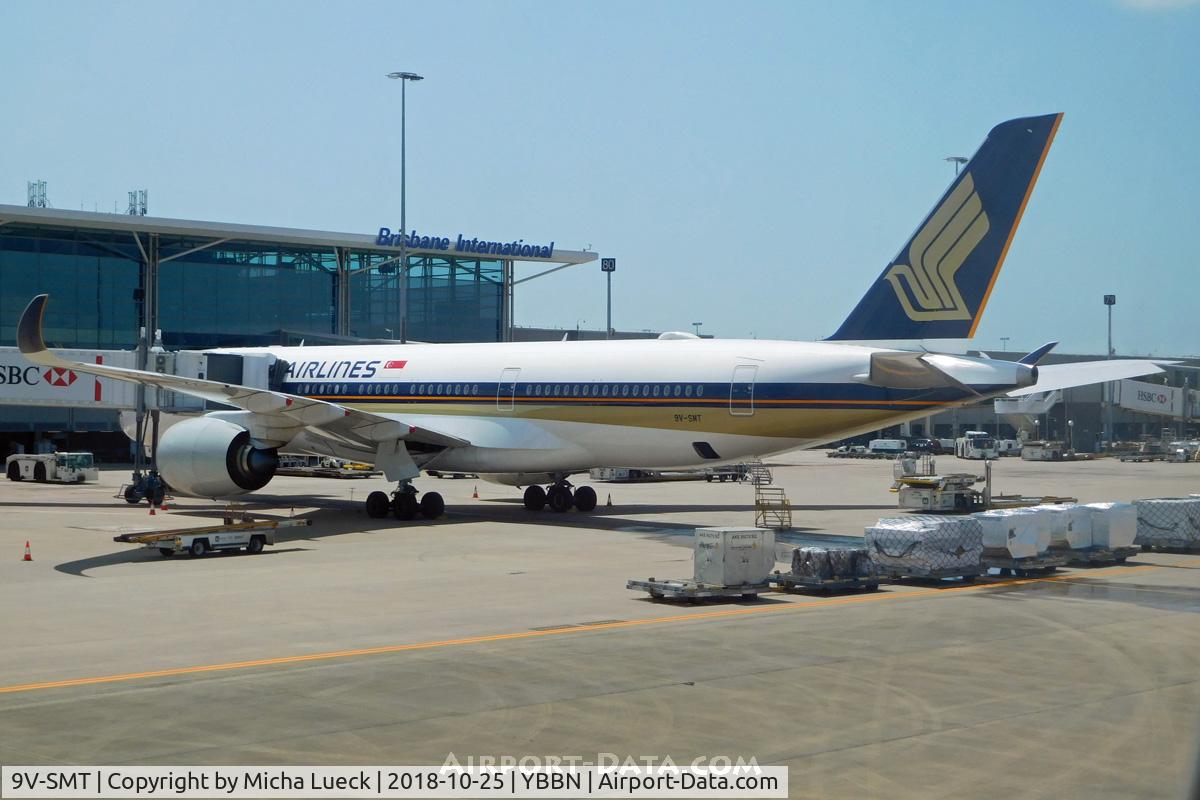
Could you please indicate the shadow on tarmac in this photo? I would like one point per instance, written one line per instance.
(146, 555)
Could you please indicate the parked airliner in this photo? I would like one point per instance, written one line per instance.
(533, 414)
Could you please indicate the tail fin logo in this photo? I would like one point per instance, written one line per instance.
(926, 286)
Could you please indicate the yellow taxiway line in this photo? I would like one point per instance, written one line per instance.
(535, 634)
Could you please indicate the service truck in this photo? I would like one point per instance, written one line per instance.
(975, 445)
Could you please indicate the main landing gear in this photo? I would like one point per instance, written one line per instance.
(560, 497)
(404, 505)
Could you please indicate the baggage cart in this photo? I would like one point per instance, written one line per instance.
(250, 535)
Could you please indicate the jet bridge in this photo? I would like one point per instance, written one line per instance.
(26, 384)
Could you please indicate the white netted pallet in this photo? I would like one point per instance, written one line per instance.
(1169, 524)
(925, 546)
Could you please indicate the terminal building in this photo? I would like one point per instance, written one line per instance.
(208, 284)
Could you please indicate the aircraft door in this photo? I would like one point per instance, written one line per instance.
(741, 390)
(506, 391)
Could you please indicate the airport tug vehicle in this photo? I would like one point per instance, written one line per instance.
(52, 467)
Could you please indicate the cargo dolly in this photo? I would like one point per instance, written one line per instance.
(249, 534)
(895, 573)
(691, 591)
(1098, 556)
(1178, 546)
(1042, 564)
(789, 581)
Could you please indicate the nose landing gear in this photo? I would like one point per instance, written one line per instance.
(404, 505)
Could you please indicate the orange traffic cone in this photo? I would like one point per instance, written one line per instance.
(28, 555)
(164, 506)
(475, 494)
(152, 509)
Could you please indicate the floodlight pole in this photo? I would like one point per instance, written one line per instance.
(404, 78)
(1110, 300)
(609, 266)
(608, 314)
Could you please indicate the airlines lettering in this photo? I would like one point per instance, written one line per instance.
(321, 370)
(516, 247)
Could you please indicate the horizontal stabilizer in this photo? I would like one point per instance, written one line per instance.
(913, 370)
(1085, 373)
(905, 370)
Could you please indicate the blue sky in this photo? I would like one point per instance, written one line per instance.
(753, 166)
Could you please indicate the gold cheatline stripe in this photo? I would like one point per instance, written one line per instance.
(502, 637)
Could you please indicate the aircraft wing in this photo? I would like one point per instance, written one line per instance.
(295, 410)
(1083, 373)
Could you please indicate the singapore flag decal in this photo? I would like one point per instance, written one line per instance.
(394, 364)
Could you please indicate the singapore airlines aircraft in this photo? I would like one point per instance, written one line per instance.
(533, 414)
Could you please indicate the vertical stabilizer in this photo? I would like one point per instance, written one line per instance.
(938, 286)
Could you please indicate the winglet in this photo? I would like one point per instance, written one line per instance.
(29, 330)
(1037, 355)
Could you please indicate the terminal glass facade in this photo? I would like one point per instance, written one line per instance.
(449, 299)
(91, 277)
(237, 293)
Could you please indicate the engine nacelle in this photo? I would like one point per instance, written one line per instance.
(207, 457)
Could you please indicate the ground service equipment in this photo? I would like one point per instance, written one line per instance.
(252, 536)
(52, 467)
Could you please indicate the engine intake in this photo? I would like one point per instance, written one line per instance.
(207, 457)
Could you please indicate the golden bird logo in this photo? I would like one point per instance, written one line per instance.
(925, 286)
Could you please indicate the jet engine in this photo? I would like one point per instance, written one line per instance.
(208, 457)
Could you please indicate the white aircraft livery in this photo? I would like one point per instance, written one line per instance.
(533, 414)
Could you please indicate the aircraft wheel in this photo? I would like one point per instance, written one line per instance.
(378, 505)
(585, 498)
(432, 505)
(14, 472)
(405, 506)
(560, 498)
(132, 495)
(39, 472)
(535, 498)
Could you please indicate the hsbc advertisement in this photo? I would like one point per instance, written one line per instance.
(1151, 398)
(26, 384)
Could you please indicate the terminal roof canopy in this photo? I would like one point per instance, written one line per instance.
(248, 233)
